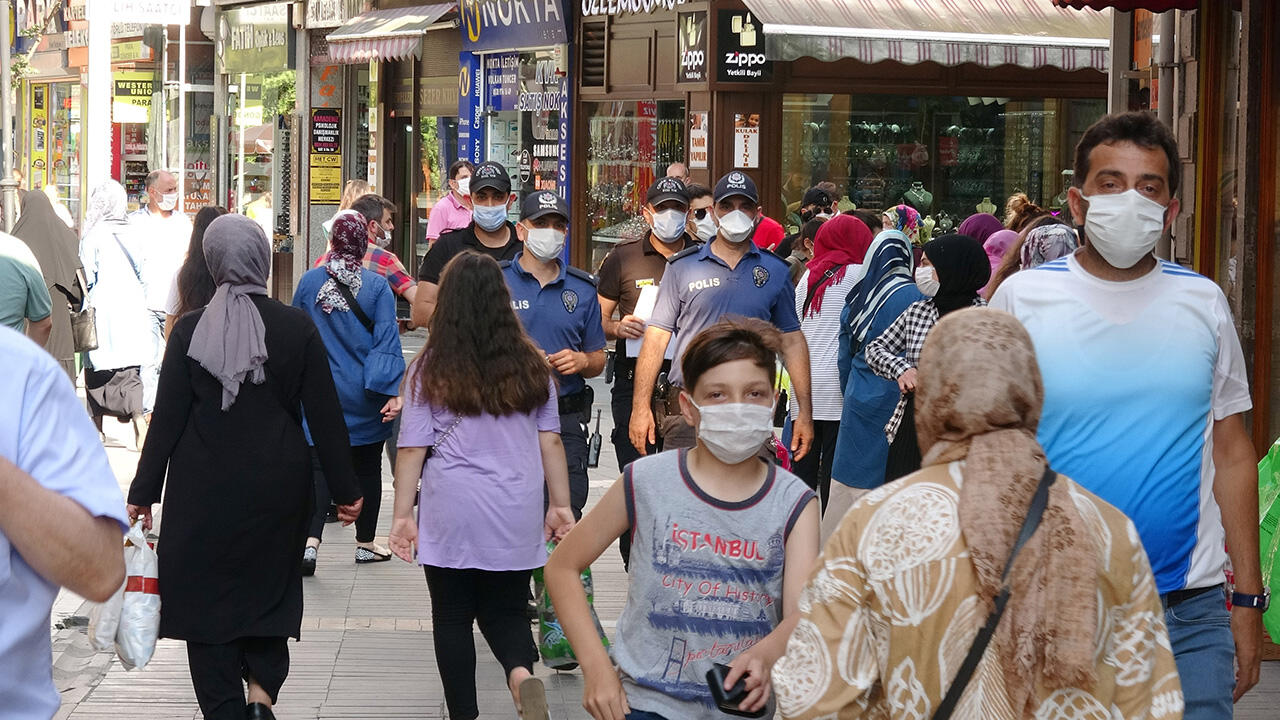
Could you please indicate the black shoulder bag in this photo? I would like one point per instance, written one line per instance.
(355, 306)
(980, 642)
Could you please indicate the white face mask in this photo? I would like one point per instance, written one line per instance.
(1123, 227)
(489, 217)
(168, 201)
(927, 280)
(734, 432)
(706, 227)
(545, 244)
(670, 224)
(464, 185)
(737, 226)
(383, 240)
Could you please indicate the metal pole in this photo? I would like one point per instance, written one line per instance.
(239, 120)
(183, 134)
(8, 186)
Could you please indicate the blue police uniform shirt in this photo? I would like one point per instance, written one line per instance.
(563, 315)
(699, 289)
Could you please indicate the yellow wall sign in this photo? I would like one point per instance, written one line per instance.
(326, 185)
(131, 96)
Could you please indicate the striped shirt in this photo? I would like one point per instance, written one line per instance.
(822, 333)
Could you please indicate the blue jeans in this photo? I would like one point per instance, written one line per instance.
(1200, 631)
(643, 715)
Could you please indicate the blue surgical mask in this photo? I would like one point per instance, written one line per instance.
(489, 217)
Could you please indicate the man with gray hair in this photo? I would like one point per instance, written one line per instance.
(165, 233)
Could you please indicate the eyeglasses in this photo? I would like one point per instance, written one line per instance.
(700, 213)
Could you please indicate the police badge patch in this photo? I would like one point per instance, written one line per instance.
(570, 300)
(760, 275)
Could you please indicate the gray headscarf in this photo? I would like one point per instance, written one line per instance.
(230, 340)
(107, 203)
(1047, 243)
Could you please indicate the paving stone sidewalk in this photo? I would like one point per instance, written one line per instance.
(366, 648)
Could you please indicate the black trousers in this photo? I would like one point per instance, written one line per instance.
(219, 672)
(815, 467)
(573, 434)
(494, 599)
(368, 463)
(904, 452)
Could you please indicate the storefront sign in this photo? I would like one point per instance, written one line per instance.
(39, 135)
(699, 153)
(152, 12)
(502, 80)
(249, 111)
(254, 39)
(691, 29)
(508, 24)
(740, 48)
(128, 51)
(325, 185)
(623, 7)
(437, 96)
(326, 131)
(331, 13)
(566, 124)
(471, 128)
(131, 96)
(544, 93)
(746, 141)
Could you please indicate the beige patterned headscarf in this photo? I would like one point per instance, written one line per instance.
(979, 400)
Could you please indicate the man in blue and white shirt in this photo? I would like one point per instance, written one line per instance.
(727, 276)
(1145, 389)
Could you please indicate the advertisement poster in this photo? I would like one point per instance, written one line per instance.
(131, 96)
(740, 48)
(471, 121)
(325, 179)
(699, 155)
(326, 131)
(502, 80)
(746, 141)
(39, 135)
(692, 44)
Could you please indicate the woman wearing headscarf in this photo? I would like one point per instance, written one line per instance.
(884, 291)
(1012, 261)
(355, 312)
(112, 260)
(954, 267)
(236, 379)
(193, 285)
(55, 248)
(997, 246)
(913, 571)
(1046, 244)
(980, 227)
(906, 220)
(838, 251)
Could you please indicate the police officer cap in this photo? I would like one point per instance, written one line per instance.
(490, 175)
(817, 196)
(734, 183)
(668, 188)
(543, 203)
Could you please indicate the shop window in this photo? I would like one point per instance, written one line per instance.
(948, 156)
(523, 95)
(631, 144)
(258, 143)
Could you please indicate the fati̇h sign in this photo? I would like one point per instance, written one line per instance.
(512, 24)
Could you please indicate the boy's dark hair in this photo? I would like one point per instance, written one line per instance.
(458, 165)
(1140, 128)
(697, 190)
(370, 206)
(734, 338)
(387, 205)
(873, 219)
(809, 231)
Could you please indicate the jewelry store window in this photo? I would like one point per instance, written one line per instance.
(631, 144)
(948, 157)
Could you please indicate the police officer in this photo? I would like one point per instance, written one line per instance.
(558, 307)
(489, 233)
(629, 268)
(727, 276)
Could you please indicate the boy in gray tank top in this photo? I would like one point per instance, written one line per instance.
(722, 544)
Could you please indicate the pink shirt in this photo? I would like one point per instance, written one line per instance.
(448, 214)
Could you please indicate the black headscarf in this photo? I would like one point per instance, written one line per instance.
(962, 268)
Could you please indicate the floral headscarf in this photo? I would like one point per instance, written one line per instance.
(906, 220)
(1046, 243)
(347, 247)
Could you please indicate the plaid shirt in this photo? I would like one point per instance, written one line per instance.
(897, 350)
(384, 263)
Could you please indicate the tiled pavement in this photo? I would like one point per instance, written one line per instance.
(366, 648)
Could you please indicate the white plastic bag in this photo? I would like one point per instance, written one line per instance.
(140, 613)
(104, 619)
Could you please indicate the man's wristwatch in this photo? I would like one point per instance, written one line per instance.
(1257, 602)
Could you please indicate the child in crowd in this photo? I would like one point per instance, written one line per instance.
(721, 544)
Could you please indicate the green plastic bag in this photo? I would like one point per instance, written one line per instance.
(552, 643)
(1269, 533)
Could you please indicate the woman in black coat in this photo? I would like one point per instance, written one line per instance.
(227, 428)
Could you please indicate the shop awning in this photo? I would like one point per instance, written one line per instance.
(1027, 33)
(392, 34)
(1130, 5)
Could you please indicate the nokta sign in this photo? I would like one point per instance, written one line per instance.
(740, 55)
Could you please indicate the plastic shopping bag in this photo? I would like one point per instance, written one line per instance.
(552, 643)
(1269, 532)
(140, 613)
(104, 620)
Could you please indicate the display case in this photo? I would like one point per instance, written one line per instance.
(631, 145)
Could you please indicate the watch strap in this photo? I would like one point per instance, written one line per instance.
(1258, 602)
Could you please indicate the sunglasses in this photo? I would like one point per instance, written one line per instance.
(700, 213)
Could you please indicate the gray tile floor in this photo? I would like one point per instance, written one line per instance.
(366, 650)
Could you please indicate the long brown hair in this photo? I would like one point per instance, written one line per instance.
(1020, 212)
(1012, 260)
(478, 358)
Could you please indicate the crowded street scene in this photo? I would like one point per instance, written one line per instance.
(640, 359)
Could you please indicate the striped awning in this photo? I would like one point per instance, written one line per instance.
(1027, 33)
(392, 34)
(1131, 5)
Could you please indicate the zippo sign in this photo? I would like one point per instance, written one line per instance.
(691, 31)
(740, 53)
